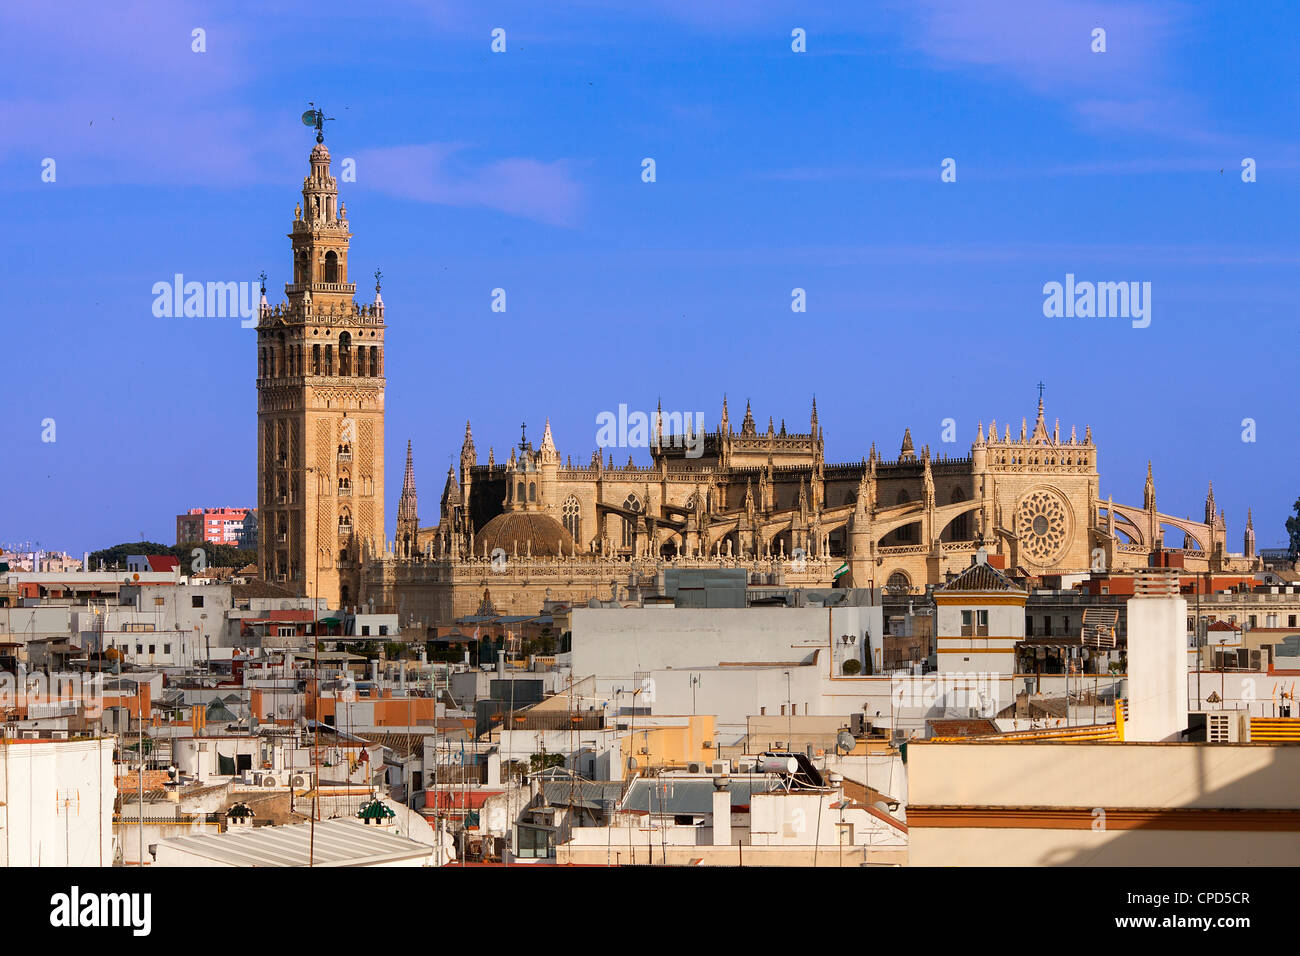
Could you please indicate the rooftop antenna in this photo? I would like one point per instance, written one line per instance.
(318, 119)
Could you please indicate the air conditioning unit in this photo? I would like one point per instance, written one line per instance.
(722, 766)
(746, 765)
(269, 780)
(1226, 726)
(31, 735)
(696, 768)
(58, 735)
(301, 780)
(707, 745)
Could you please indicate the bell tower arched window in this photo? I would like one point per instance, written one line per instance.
(331, 266)
(345, 354)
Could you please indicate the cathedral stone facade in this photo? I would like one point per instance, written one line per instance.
(535, 527)
(320, 409)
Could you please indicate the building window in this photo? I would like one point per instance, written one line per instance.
(374, 361)
(629, 524)
(315, 359)
(345, 354)
(982, 623)
(365, 630)
(167, 648)
(196, 600)
(572, 513)
(331, 266)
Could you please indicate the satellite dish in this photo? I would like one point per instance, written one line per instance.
(845, 741)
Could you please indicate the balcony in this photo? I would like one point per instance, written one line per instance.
(345, 491)
(345, 528)
(345, 456)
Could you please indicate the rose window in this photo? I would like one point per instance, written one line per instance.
(1042, 526)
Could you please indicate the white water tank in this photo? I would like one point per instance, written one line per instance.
(772, 764)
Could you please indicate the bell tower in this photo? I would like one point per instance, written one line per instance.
(320, 409)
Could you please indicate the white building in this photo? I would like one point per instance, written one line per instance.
(56, 802)
(731, 662)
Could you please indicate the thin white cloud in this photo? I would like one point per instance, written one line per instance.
(440, 173)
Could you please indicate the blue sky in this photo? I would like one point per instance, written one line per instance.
(522, 170)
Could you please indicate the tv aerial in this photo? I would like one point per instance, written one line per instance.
(318, 119)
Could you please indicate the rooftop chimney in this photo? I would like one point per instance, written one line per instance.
(1157, 658)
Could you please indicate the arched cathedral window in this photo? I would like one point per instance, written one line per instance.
(572, 514)
(632, 503)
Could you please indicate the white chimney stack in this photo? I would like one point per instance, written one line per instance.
(1157, 659)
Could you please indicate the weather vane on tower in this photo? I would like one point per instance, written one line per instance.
(318, 119)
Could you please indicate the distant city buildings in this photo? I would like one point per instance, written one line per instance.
(215, 525)
(24, 560)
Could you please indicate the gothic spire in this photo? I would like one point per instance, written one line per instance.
(408, 504)
(1040, 436)
(907, 452)
(468, 456)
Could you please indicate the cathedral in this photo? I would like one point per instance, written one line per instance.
(536, 527)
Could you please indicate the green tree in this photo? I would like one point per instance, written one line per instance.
(215, 555)
(1293, 528)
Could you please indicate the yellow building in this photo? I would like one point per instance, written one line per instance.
(670, 747)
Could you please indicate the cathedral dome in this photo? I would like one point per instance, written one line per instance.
(545, 536)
